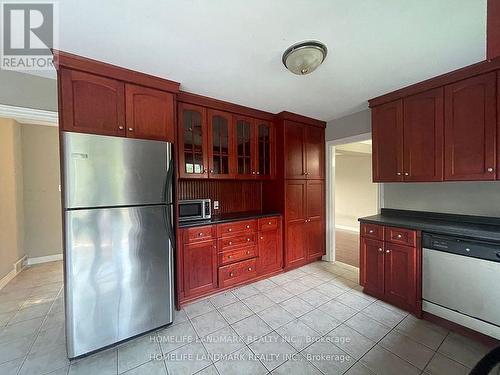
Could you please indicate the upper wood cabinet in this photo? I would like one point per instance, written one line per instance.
(245, 148)
(315, 152)
(99, 98)
(220, 143)
(387, 142)
(304, 151)
(265, 160)
(192, 141)
(91, 103)
(442, 129)
(295, 139)
(149, 113)
(470, 129)
(423, 136)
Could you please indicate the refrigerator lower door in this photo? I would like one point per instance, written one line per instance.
(119, 275)
(102, 171)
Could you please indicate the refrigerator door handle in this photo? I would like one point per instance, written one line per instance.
(167, 187)
(168, 216)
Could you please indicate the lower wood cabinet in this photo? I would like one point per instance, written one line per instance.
(214, 257)
(390, 270)
(200, 267)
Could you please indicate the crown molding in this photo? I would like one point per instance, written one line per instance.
(29, 115)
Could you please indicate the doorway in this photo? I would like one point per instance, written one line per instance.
(350, 194)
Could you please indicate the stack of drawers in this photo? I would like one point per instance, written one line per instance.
(237, 252)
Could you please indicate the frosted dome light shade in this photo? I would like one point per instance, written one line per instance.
(304, 57)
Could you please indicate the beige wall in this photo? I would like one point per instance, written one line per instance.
(355, 194)
(11, 196)
(42, 199)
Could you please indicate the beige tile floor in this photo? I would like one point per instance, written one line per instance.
(313, 320)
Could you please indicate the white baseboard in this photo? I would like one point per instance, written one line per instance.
(346, 266)
(347, 228)
(48, 258)
(16, 268)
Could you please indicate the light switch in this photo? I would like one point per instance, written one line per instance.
(216, 205)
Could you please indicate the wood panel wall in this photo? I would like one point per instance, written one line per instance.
(233, 196)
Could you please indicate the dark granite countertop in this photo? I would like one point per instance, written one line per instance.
(225, 218)
(474, 227)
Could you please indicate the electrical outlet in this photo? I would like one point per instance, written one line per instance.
(216, 205)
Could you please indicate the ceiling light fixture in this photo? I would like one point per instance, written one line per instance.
(304, 57)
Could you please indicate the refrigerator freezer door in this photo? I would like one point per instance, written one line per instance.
(119, 275)
(102, 171)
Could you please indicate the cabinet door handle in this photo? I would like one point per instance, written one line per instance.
(407, 174)
(370, 231)
(305, 221)
(249, 268)
(380, 250)
(258, 172)
(121, 127)
(211, 171)
(230, 242)
(230, 230)
(248, 239)
(248, 226)
(399, 236)
(231, 274)
(261, 237)
(490, 170)
(229, 256)
(200, 234)
(268, 223)
(130, 129)
(248, 252)
(399, 173)
(388, 251)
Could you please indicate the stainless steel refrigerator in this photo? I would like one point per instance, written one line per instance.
(118, 239)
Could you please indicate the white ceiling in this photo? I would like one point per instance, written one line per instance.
(231, 49)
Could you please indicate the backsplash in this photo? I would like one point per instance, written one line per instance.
(233, 195)
(466, 198)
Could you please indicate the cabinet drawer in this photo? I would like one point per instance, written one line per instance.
(268, 223)
(236, 255)
(198, 234)
(237, 272)
(401, 236)
(229, 243)
(372, 231)
(247, 226)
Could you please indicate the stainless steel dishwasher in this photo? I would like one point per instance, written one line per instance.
(461, 281)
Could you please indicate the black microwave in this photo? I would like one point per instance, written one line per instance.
(194, 209)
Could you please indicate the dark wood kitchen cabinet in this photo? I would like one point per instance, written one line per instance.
(245, 147)
(270, 246)
(265, 155)
(305, 224)
(200, 267)
(149, 113)
(82, 96)
(387, 142)
(192, 141)
(390, 266)
(214, 257)
(100, 98)
(304, 151)
(442, 129)
(423, 129)
(470, 129)
(220, 144)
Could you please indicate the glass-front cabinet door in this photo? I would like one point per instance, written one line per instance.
(265, 140)
(193, 159)
(244, 147)
(220, 138)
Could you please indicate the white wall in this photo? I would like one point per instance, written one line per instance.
(355, 193)
(348, 126)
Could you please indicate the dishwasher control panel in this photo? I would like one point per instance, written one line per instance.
(462, 246)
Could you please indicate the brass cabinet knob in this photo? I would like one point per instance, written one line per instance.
(399, 173)
(248, 239)
(249, 268)
(268, 223)
(230, 230)
(399, 236)
(121, 127)
(388, 251)
(490, 170)
(248, 226)
(231, 274)
(380, 249)
(261, 237)
(248, 251)
(200, 234)
(130, 129)
(370, 231)
(229, 256)
(230, 242)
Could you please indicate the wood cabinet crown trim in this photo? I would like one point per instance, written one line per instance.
(68, 60)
